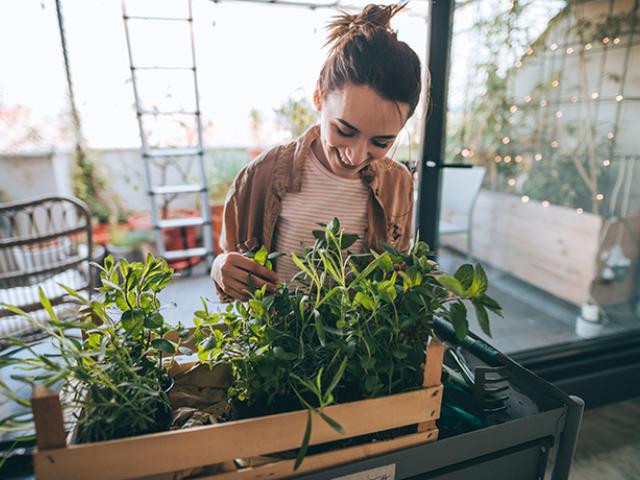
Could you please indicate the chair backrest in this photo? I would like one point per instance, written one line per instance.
(460, 187)
(43, 242)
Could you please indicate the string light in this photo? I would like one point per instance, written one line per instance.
(506, 140)
(498, 159)
(619, 98)
(588, 46)
(465, 153)
(595, 95)
(554, 46)
(559, 114)
(543, 103)
(610, 135)
(606, 40)
(545, 204)
(569, 51)
(524, 199)
(579, 211)
(518, 64)
(513, 109)
(530, 51)
(538, 157)
(507, 159)
(606, 162)
(512, 182)
(554, 144)
(518, 158)
(599, 197)
(527, 98)
(616, 40)
(555, 83)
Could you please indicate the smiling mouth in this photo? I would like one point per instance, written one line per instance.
(342, 163)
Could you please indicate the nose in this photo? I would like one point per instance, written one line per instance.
(357, 154)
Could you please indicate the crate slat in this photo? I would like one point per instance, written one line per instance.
(185, 449)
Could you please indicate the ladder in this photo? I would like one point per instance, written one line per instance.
(151, 153)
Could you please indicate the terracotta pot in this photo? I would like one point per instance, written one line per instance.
(100, 234)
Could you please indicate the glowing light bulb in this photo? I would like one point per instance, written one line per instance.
(465, 153)
(507, 159)
(527, 98)
(569, 51)
(506, 140)
(554, 144)
(579, 211)
(599, 197)
(513, 109)
(543, 103)
(518, 64)
(498, 159)
(554, 46)
(616, 40)
(595, 95)
(524, 199)
(606, 162)
(545, 204)
(588, 46)
(559, 114)
(518, 158)
(512, 182)
(555, 83)
(610, 135)
(619, 98)
(606, 40)
(529, 51)
(538, 157)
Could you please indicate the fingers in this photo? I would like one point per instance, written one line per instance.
(256, 269)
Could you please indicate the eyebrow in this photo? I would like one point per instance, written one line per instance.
(347, 124)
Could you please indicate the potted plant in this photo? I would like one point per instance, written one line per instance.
(112, 366)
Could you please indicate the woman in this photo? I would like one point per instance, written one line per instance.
(369, 87)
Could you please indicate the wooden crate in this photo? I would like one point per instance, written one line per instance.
(553, 248)
(172, 454)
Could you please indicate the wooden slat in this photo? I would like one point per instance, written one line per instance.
(180, 450)
(284, 468)
(432, 376)
(47, 416)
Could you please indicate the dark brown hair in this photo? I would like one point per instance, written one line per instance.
(366, 51)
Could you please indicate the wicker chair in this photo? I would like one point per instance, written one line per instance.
(43, 242)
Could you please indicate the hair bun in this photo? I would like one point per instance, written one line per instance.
(372, 16)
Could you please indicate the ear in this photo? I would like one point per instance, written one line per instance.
(317, 99)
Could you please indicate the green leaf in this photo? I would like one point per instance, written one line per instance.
(386, 262)
(261, 255)
(336, 378)
(281, 354)
(365, 300)
(465, 274)
(305, 442)
(387, 290)
(132, 321)
(483, 317)
(491, 304)
(317, 320)
(399, 355)
(46, 304)
(332, 423)
(275, 255)
(154, 321)
(480, 283)
(458, 315)
(452, 284)
(348, 239)
(163, 345)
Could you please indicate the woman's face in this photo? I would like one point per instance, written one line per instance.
(357, 126)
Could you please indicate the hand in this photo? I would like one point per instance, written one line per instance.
(231, 272)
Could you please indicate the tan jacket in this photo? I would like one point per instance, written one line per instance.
(254, 202)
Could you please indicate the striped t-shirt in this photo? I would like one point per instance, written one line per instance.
(322, 197)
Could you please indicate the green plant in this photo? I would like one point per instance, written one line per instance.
(115, 379)
(296, 116)
(348, 327)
